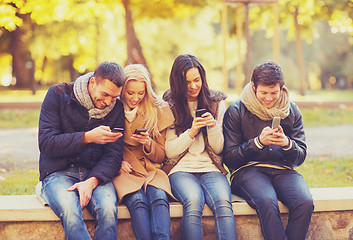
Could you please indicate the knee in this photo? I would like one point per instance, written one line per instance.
(193, 204)
(267, 204)
(306, 205)
(159, 199)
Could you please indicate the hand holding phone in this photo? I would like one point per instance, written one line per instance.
(200, 112)
(275, 122)
(139, 130)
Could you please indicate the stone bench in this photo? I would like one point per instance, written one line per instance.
(26, 217)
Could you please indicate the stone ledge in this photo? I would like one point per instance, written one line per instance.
(27, 208)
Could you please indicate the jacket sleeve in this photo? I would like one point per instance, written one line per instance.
(157, 153)
(109, 164)
(236, 152)
(296, 153)
(51, 140)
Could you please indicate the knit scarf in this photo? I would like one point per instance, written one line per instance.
(84, 98)
(281, 107)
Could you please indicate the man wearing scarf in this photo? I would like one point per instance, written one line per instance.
(79, 154)
(262, 159)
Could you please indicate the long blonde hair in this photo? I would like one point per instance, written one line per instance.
(151, 102)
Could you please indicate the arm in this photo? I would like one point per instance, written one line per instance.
(157, 151)
(237, 151)
(295, 152)
(52, 141)
(110, 161)
(215, 134)
(174, 144)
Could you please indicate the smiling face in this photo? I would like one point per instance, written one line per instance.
(194, 83)
(134, 93)
(103, 93)
(267, 95)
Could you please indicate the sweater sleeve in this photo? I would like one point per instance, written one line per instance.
(215, 134)
(175, 144)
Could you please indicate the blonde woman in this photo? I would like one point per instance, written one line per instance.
(140, 184)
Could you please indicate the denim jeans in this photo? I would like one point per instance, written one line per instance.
(66, 205)
(149, 213)
(193, 190)
(262, 187)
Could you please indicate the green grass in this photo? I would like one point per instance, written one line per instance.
(313, 117)
(19, 118)
(18, 182)
(318, 173)
(328, 172)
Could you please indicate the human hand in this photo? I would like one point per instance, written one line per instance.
(144, 139)
(101, 135)
(279, 138)
(126, 167)
(209, 120)
(85, 190)
(273, 136)
(197, 124)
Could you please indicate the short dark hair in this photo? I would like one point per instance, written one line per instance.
(111, 71)
(267, 73)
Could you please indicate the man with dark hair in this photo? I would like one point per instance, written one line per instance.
(79, 154)
(261, 158)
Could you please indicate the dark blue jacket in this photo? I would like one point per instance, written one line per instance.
(62, 123)
(240, 127)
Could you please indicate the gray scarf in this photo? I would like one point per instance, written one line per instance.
(83, 96)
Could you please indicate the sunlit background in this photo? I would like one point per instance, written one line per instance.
(45, 42)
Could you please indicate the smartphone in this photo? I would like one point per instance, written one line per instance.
(140, 130)
(118, 130)
(200, 112)
(275, 122)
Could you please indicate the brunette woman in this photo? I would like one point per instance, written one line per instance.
(140, 184)
(192, 146)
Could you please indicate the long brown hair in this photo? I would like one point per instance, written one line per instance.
(179, 91)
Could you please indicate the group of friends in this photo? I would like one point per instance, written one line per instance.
(108, 138)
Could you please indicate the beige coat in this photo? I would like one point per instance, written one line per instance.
(145, 166)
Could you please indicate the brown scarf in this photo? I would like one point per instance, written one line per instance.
(281, 107)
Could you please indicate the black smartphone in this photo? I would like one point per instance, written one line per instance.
(140, 130)
(200, 112)
(118, 130)
(275, 122)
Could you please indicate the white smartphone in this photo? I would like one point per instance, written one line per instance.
(275, 122)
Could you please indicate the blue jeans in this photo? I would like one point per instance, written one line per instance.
(262, 187)
(149, 213)
(193, 190)
(66, 205)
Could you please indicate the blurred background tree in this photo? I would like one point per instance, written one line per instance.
(45, 42)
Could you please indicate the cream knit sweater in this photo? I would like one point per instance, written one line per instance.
(196, 159)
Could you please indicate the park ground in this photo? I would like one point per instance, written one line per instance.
(19, 147)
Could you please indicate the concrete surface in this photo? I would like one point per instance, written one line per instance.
(19, 147)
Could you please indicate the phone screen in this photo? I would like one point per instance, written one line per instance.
(200, 112)
(275, 122)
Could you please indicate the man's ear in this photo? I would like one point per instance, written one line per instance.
(253, 86)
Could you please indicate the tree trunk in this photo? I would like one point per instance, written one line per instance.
(22, 62)
(134, 49)
(299, 52)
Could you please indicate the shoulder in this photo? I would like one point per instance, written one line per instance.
(63, 87)
(217, 96)
(165, 117)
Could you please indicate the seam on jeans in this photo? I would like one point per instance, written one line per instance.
(258, 212)
(214, 212)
